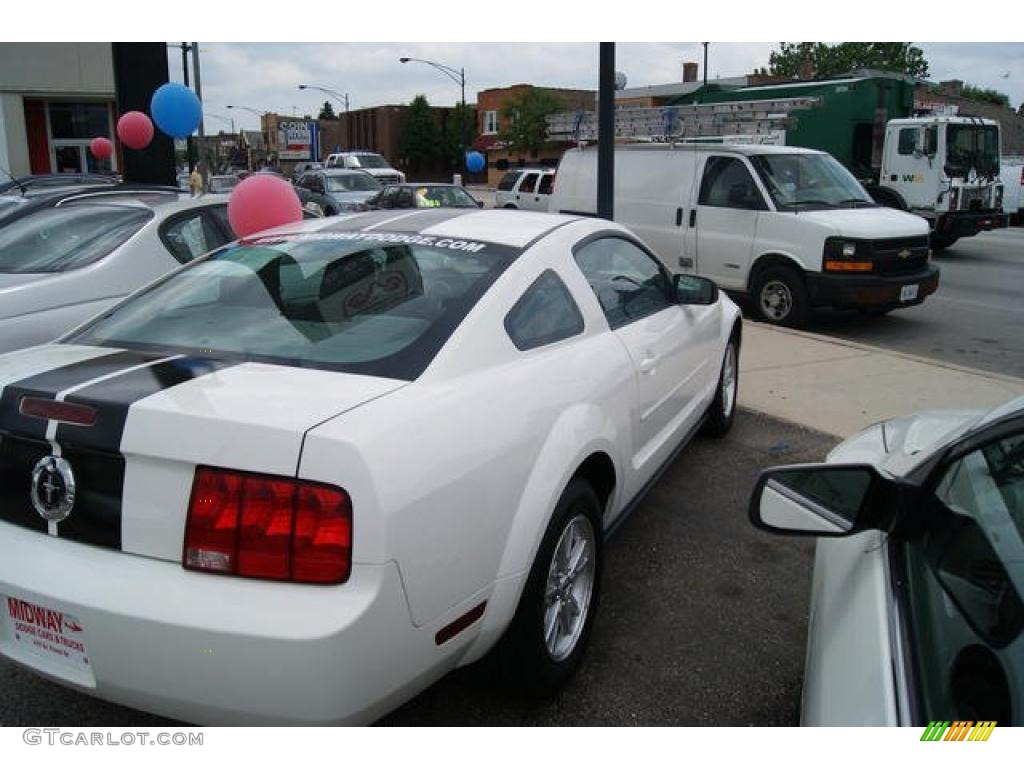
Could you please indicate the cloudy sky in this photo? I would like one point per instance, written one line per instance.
(265, 76)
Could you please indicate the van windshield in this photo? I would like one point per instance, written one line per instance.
(801, 182)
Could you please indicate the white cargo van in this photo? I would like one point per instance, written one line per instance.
(791, 227)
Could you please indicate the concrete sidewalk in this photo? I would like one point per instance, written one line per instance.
(838, 387)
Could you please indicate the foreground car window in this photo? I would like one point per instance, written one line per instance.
(61, 239)
(629, 284)
(966, 577)
(318, 301)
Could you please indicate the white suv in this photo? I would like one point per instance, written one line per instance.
(525, 188)
(371, 162)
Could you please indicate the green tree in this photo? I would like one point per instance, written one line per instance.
(526, 118)
(985, 94)
(461, 118)
(830, 60)
(421, 138)
(327, 112)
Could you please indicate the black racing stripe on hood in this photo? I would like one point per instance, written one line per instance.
(112, 399)
(49, 383)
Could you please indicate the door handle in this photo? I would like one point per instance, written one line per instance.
(648, 363)
(693, 217)
(679, 217)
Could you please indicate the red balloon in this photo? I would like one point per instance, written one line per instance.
(101, 148)
(261, 202)
(135, 130)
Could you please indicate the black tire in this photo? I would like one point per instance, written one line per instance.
(510, 207)
(330, 212)
(941, 242)
(722, 411)
(780, 296)
(524, 662)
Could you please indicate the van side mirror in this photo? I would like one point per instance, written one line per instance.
(690, 289)
(931, 141)
(820, 499)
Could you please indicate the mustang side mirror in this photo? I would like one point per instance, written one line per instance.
(691, 289)
(820, 499)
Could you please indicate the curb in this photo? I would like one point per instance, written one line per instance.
(1000, 377)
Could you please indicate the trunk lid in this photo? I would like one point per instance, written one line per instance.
(158, 417)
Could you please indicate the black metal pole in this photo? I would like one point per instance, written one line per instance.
(606, 133)
(705, 64)
(199, 95)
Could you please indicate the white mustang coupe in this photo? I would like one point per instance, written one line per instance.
(304, 477)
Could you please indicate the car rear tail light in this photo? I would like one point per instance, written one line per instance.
(267, 527)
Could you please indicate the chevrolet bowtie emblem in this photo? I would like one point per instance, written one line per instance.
(904, 254)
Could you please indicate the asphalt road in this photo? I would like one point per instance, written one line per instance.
(703, 618)
(974, 319)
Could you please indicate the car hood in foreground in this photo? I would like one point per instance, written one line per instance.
(899, 445)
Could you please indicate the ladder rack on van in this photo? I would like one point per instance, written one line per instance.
(686, 121)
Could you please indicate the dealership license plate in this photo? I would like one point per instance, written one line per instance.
(53, 637)
(908, 292)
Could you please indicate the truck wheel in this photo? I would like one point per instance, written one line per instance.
(545, 642)
(510, 207)
(781, 296)
(722, 411)
(941, 242)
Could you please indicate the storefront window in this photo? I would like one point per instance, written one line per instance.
(79, 121)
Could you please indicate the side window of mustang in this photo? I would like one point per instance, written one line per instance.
(965, 571)
(546, 313)
(629, 283)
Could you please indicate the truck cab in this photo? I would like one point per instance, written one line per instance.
(945, 169)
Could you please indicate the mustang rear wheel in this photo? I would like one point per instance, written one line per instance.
(722, 411)
(546, 640)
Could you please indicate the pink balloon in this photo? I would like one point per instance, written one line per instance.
(260, 202)
(101, 148)
(135, 130)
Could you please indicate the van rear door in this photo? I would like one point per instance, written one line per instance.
(723, 224)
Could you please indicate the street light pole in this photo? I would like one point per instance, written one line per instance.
(459, 76)
(341, 97)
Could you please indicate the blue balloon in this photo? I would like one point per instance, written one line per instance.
(475, 162)
(176, 110)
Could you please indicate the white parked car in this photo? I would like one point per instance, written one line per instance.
(370, 162)
(916, 610)
(789, 227)
(304, 477)
(528, 189)
(63, 264)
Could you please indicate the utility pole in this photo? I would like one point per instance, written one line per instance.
(199, 95)
(606, 133)
(705, 65)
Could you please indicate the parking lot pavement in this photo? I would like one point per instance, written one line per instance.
(838, 387)
(703, 617)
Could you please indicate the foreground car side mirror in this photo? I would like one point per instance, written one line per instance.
(821, 499)
(690, 289)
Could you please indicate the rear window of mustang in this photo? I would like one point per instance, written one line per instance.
(380, 304)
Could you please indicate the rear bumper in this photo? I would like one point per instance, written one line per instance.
(221, 650)
(854, 291)
(967, 223)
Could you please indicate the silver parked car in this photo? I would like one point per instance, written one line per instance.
(916, 611)
(61, 265)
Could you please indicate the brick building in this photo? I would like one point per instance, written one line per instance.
(490, 106)
(379, 129)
